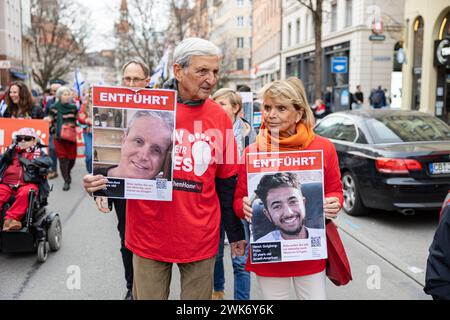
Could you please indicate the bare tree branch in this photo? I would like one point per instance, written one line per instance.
(59, 34)
(143, 39)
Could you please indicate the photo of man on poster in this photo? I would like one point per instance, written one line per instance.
(284, 206)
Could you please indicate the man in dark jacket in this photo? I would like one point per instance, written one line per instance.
(437, 278)
(23, 168)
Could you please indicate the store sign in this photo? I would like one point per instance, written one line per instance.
(377, 37)
(339, 65)
(5, 64)
(442, 52)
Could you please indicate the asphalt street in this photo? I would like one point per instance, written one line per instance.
(387, 254)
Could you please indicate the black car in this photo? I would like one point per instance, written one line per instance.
(390, 159)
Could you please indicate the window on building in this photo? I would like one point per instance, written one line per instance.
(307, 28)
(333, 16)
(418, 29)
(240, 21)
(289, 35)
(240, 3)
(240, 64)
(297, 39)
(348, 13)
(249, 63)
(240, 42)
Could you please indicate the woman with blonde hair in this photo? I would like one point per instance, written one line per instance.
(288, 126)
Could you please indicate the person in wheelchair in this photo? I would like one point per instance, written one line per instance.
(23, 167)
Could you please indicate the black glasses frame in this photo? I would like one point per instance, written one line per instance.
(25, 138)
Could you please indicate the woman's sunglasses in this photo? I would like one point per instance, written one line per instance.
(24, 138)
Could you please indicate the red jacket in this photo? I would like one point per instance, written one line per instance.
(14, 172)
(332, 188)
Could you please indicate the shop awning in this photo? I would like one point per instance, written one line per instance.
(18, 74)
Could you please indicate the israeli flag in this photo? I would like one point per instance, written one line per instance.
(78, 82)
(160, 70)
(3, 107)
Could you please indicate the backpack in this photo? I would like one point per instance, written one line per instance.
(377, 98)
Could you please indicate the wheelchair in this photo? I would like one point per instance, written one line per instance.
(41, 230)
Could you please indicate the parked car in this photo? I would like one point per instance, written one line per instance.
(390, 159)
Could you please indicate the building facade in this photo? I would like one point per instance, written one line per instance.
(426, 67)
(97, 68)
(198, 24)
(27, 41)
(266, 47)
(11, 42)
(359, 41)
(230, 27)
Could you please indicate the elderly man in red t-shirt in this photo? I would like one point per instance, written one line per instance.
(186, 230)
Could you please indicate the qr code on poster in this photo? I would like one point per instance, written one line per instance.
(161, 184)
(315, 242)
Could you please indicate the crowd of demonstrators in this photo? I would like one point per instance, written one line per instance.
(63, 116)
(288, 126)
(135, 74)
(163, 233)
(244, 134)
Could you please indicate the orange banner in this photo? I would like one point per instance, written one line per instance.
(9, 125)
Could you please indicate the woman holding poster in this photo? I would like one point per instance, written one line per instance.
(288, 126)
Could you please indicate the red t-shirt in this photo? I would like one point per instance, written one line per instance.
(332, 188)
(187, 228)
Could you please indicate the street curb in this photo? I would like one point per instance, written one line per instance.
(419, 278)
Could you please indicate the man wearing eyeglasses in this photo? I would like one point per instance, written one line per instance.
(135, 74)
(18, 175)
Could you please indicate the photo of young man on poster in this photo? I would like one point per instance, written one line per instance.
(284, 207)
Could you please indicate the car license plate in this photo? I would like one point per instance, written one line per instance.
(440, 168)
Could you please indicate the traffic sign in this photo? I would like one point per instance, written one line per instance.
(377, 37)
(339, 65)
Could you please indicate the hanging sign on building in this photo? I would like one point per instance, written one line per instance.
(442, 53)
(5, 64)
(339, 65)
(377, 37)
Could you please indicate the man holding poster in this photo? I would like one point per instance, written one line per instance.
(135, 74)
(287, 129)
(133, 141)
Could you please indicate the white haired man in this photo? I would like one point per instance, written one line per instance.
(186, 230)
